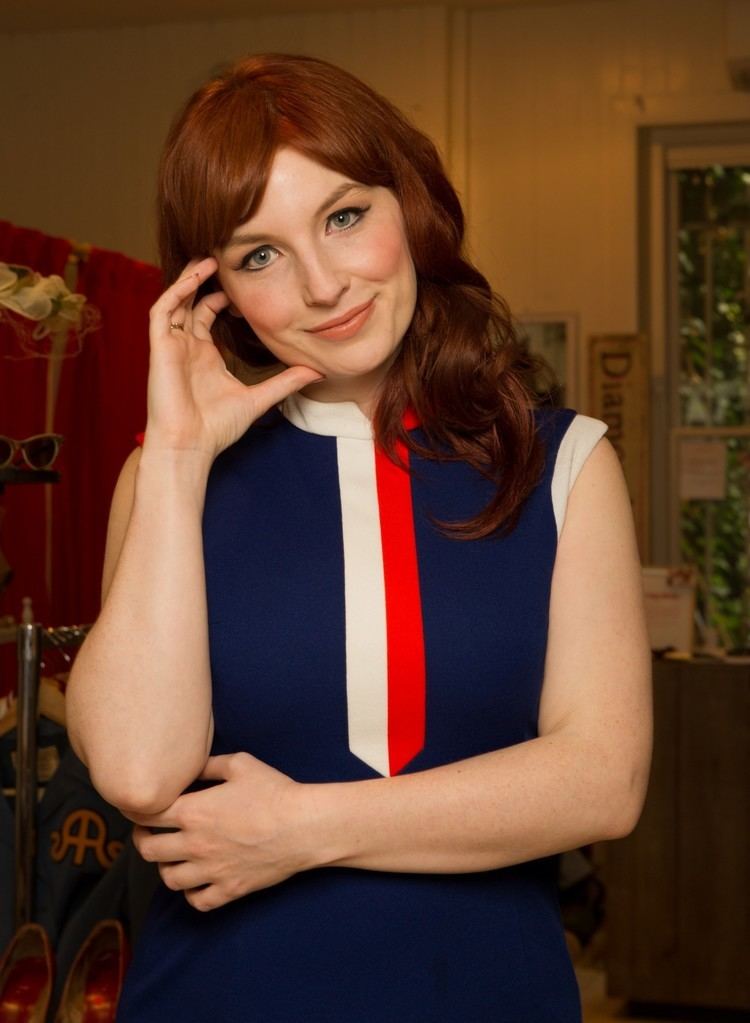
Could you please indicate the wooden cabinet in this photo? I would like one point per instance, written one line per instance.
(678, 888)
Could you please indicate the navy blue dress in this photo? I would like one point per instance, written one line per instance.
(351, 639)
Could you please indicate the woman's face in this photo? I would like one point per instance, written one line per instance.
(323, 275)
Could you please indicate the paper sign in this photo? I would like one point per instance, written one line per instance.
(703, 470)
(669, 597)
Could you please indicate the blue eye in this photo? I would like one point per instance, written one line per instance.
(258, 258)
(342, 220)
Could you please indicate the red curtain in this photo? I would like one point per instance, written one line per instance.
(101, 406)
(22, 409)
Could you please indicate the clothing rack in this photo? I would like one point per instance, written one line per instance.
(29, 654)
(79, 251)
(31, 639)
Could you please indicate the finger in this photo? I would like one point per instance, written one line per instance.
(205, 899)
(191, 265)
(176, 297)
(204, 314)
(183, 314)
(217, 768)
(181, 876)
(164, 819)
(203, 267)
(169, 848)
(276, 388)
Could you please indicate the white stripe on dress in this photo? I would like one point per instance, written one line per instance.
(364, 595)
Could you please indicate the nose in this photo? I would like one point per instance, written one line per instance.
(323, 282)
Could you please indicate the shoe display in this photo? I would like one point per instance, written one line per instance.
(26, 975)
(92, 988)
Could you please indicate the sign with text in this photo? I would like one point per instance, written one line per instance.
(619, 395)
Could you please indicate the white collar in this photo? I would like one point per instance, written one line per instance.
(327, 418)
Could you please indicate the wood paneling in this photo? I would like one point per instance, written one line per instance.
(678, 888)
(714, 813)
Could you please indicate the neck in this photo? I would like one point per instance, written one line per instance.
(356, 391)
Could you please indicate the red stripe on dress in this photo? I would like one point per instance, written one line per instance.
(403, 607)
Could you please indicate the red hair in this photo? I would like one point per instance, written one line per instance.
(460, 365)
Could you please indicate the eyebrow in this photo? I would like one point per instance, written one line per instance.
(336, 194)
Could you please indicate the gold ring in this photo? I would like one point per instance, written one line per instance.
(176, 326)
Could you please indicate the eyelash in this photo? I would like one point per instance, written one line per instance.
(358, 211)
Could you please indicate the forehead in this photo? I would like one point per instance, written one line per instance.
(290, 164)
(298, 191)
(296, 182)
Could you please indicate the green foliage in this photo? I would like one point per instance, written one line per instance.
(714, 386)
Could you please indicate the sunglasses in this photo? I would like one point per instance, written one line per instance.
(38, 452)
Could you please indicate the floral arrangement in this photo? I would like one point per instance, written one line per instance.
(48, 302)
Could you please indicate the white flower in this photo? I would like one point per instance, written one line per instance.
(30, 302)
(8, 280)
(44, 299)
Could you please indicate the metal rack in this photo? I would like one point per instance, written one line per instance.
(31, 640)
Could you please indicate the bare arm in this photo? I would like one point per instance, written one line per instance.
(582, 780)
(139, 695)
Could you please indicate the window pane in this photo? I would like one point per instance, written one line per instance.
(716, 539)
(713, 241)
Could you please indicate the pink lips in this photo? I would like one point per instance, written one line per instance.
(346, 326)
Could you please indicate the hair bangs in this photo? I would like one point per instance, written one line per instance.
(217, 169)
(334, 137)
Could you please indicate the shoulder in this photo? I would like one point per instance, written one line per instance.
(571, 438)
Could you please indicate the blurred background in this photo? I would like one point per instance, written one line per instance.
(601, 149)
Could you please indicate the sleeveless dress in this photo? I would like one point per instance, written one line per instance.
(351, 639)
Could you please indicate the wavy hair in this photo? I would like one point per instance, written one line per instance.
(461, 365)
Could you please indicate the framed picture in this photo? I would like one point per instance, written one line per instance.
(554, 336)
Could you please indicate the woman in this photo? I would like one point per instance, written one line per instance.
(335, 589)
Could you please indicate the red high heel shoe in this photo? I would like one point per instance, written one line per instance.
(26, 976)
(92, 988)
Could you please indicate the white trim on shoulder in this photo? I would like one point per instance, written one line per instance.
(579, 441)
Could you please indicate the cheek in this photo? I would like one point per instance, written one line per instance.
(265, 307)
(385, 257)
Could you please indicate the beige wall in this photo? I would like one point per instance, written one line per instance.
(90, 109)
(536, 109)
(556, 96)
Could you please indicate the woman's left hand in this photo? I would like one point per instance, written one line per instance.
(233, 838)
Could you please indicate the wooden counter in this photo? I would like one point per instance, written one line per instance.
(678, 888)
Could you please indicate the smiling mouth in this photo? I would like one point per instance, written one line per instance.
(345, 326)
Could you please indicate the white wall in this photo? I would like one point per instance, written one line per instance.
(536, 109)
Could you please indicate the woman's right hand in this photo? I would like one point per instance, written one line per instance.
(194, 402)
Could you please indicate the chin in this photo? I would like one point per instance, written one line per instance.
(369, 372)
(367, 362)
